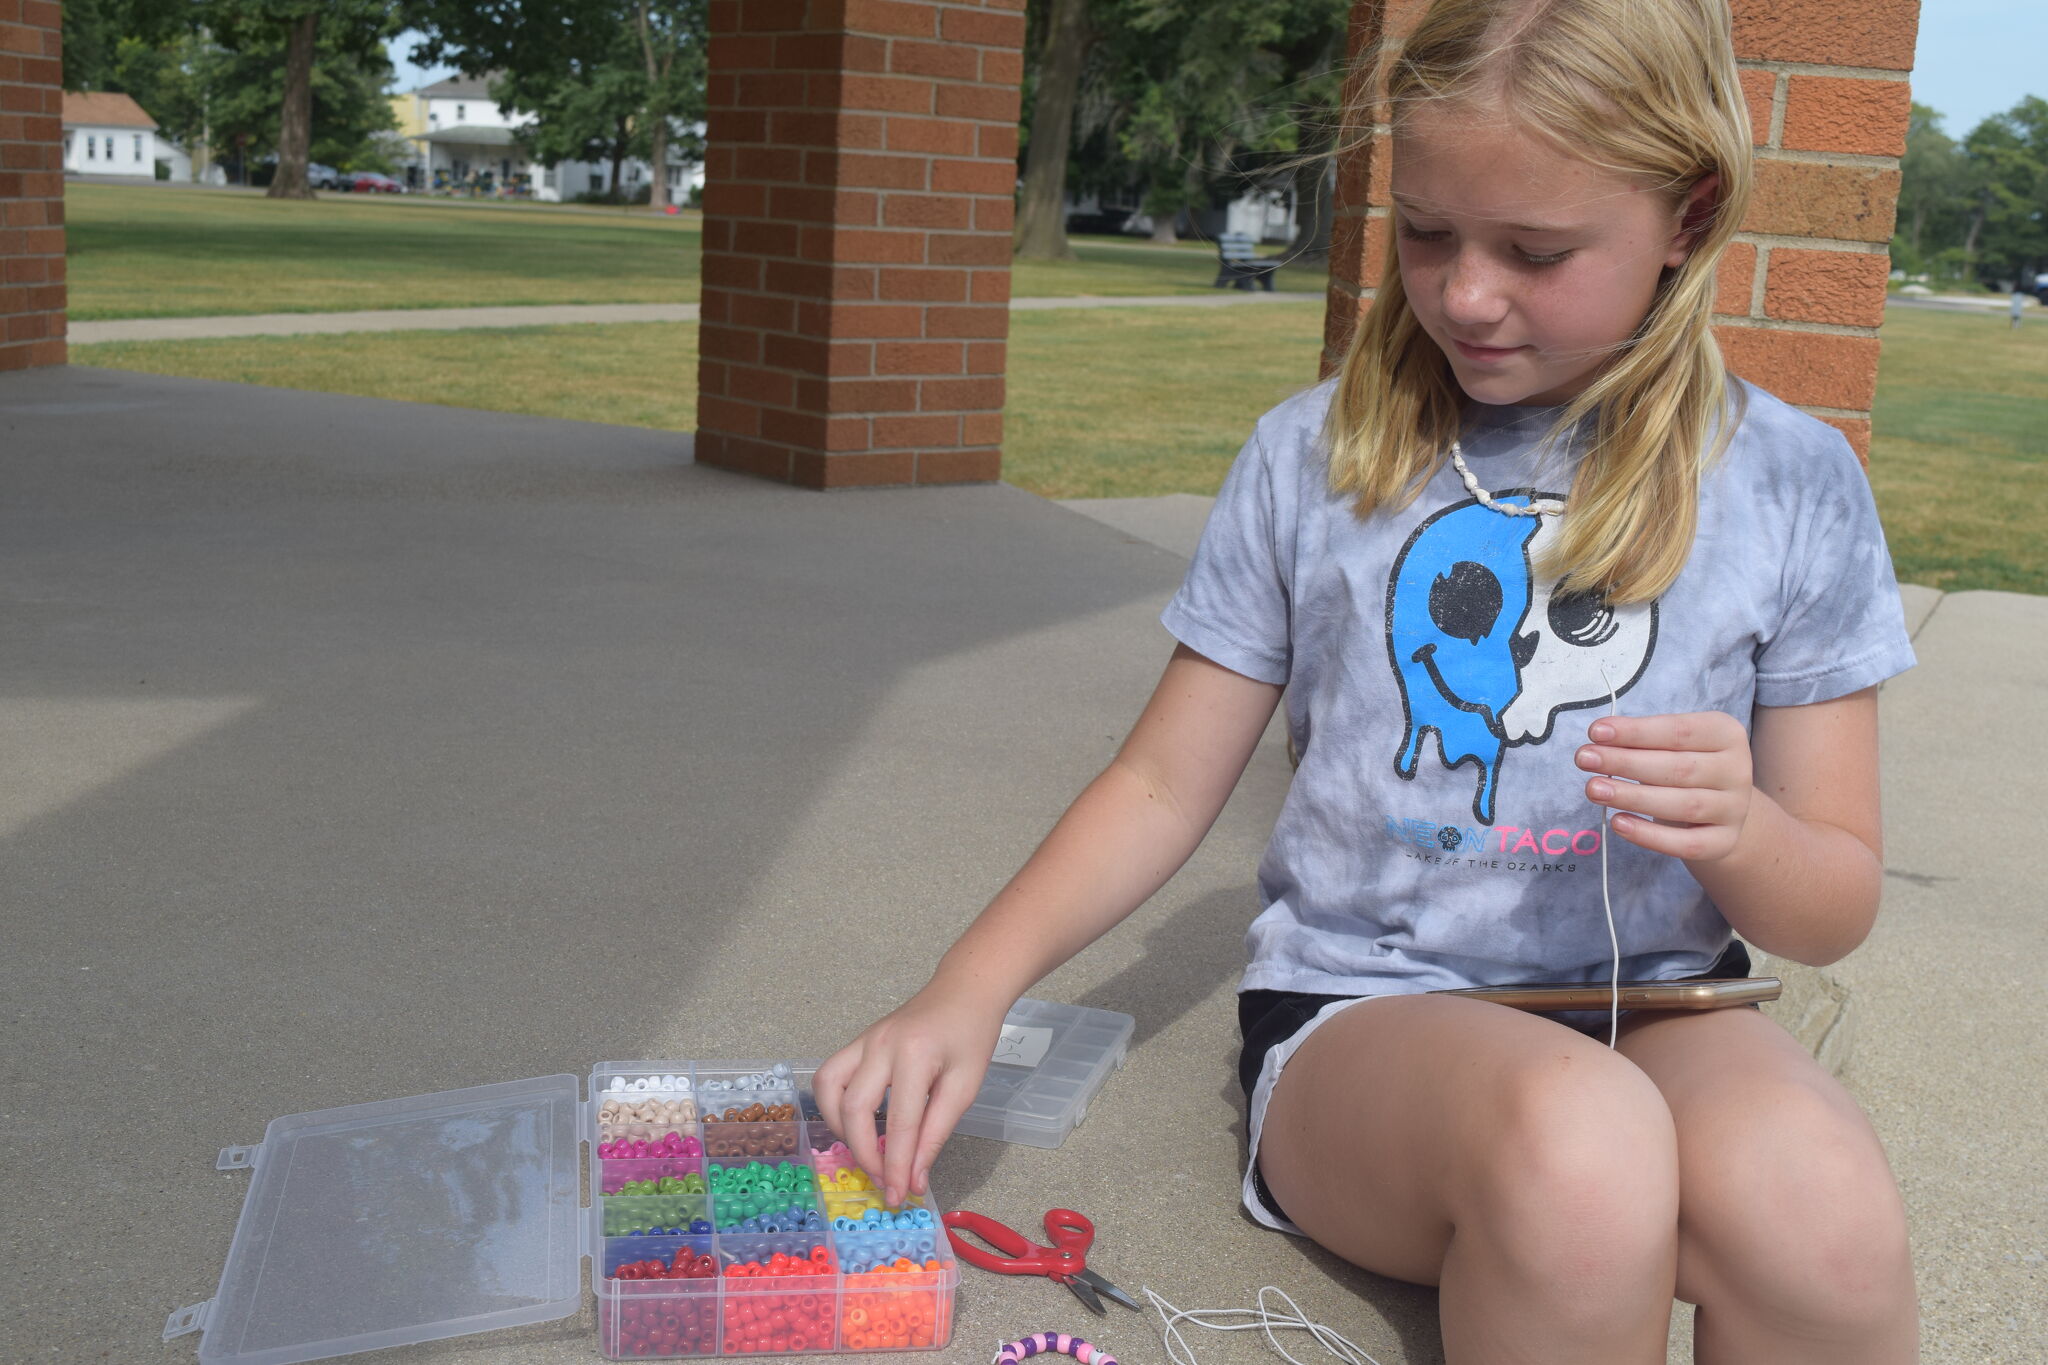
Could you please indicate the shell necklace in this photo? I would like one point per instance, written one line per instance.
(1538, 507)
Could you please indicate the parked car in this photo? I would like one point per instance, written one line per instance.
(322, 177)
(370, 182)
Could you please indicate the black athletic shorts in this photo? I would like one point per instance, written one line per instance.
(1267, 1019)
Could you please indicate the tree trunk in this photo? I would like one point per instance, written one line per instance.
(1041, 215)
(657, 197)
(1165, 227)
(618, 185)
(657, 193)
(295, 126)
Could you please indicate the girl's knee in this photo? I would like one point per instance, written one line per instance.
(1576, 1168)
(1796, 1214)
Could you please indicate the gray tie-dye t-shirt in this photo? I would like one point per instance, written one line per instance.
(1437, 833)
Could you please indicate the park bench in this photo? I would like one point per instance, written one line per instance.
(1239, 264)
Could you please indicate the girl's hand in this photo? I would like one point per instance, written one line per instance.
(930, 1056)
(1691, 774)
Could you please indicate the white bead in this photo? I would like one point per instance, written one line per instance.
(640, 1084)
(618, 1083)
(683, 1084)
(668, 1082)
(782, 1068)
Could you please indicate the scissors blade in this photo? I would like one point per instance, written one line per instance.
(1085, 1293)
(1106, 1287)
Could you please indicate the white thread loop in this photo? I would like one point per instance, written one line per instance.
(1262, 1318)
(1607, 902)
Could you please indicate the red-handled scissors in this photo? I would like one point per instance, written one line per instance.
(1066, 1260)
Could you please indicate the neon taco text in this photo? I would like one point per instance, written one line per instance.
(1510, 839)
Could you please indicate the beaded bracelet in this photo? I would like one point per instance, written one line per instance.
(1080, 1350)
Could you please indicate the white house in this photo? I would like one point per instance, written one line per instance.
(462, 136)
(108, 134)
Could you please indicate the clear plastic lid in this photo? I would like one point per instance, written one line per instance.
(401, 1221)
(1050, 1061)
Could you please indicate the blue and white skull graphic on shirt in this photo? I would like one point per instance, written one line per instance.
(1486, 653)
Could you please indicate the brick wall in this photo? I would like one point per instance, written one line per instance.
(857, 216)
(31, 185)
(1801, 291)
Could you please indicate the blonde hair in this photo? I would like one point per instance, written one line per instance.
(1644, 88)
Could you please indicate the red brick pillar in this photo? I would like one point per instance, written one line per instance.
(31, 185)
(1802, 287)
(857, 215)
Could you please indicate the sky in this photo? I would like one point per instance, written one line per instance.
(1975, 58)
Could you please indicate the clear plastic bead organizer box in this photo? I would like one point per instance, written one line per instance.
(725, 1217)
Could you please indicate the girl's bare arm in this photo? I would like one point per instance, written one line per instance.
(1123, 837)
(1780, 825)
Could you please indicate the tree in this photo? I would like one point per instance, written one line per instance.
(1192, 101)
(168, 80)
(2008, 228)
(1935, 191)
(95, 29)
(243, 98)
(1041, 233)
(599, 77)
(1977, 209)
(351, 28)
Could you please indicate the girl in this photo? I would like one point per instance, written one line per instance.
(1530, 497)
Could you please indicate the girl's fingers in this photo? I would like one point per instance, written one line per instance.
(1672, 805)
(857, 1111)
(828, 1084)
(1664, 767)
(907, 1090)
(1688, 843)
(950, 1097)
(1702, 731)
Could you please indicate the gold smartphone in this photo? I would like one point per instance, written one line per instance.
(1635, 995)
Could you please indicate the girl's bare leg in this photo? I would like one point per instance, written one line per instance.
(1792, 1235)
(1524, 1168)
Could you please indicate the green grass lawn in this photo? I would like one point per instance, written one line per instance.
(1127, 402)
(147, 251)
(1959, 451)
(1112, 402)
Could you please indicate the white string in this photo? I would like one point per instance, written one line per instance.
(1538, 507)
(1606, 902)
(1261, 1318)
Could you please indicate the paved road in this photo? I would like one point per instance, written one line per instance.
(358, 750)
(1952, 303)
(452, 319)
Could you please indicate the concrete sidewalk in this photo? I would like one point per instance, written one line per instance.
(358, 750)
(555, 315)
